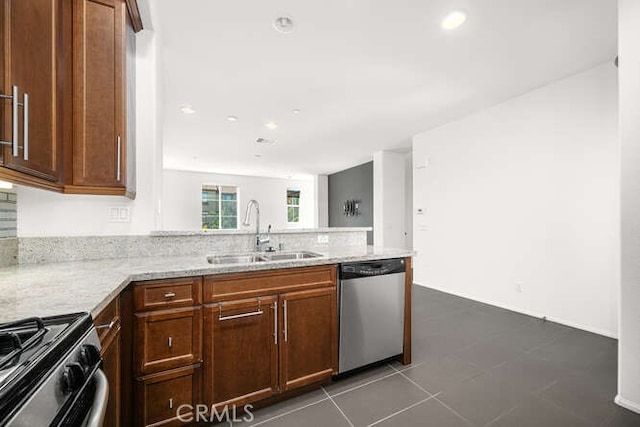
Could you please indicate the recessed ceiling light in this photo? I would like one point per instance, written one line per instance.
(454, 20)
(232, 118)
(295, 111)
(283, 24)
(187, 110)
(271, 125)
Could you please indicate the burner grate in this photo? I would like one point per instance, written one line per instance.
(17, 336)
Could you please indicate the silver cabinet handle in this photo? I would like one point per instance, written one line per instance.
(170, 403)
(14, 112)
(25, 130)
(170, 342)
(110, 325)
(14, 119)
(119, 143)
(170, 295)
(239, 316)
(284, 306)
(275, 322)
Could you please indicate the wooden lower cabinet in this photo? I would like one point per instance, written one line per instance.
(108, 326)
(168, 398)
(111, 367)
(240, 351)
(248, 337)
(309, 347)
(167, 339)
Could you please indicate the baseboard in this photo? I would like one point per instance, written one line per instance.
(627, 404)
(565, 322)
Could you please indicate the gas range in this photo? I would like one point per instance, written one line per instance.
(50, 372)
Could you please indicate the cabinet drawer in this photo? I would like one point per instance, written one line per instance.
(160, 395)
(249, 285)
(108, 321)
(167, 339)
(164, 294)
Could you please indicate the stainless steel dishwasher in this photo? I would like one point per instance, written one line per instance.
(371, 298)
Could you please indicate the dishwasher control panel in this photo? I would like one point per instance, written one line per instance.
(372, 268)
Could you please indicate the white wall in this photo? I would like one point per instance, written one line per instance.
(408, 202)
(527, 192)
(44, 213)
(389, 195)
(322, 198)
(629, 345)
(182, 199)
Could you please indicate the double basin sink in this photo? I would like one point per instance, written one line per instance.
(253, 257)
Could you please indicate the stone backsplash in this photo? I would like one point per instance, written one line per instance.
(32, 250)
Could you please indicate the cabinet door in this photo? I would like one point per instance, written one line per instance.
(168, 398)
(309, 345)
(111, 367)
(241, 351)
(32, 39)
(99, 137)
(167, 339)
(108, 324)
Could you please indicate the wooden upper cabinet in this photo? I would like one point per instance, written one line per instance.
(308, 349)
(75, 61)
(33, 62)
(99, 97)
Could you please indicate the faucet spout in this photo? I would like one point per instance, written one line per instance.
(247, 221)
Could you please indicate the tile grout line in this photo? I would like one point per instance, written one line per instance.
(499, 417)
(365, 384)
(288, 412)
(400, 411)
(338, 408)
(458, 414)
(413, 382)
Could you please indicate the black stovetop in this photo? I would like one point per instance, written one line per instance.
(30, 349)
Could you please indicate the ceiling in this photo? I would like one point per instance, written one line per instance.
(366, 75)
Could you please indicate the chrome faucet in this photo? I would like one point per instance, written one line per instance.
(247, 221)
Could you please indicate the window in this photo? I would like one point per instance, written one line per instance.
(293, 206)
(219, 207)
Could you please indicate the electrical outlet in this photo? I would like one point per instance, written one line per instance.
(119, 214)
(323, 238)
(519, 287)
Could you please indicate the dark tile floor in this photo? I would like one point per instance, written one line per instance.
(473, 365)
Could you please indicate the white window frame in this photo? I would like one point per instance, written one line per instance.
(299, 205)
(220, 187)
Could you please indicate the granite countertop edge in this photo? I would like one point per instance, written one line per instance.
(89, 286)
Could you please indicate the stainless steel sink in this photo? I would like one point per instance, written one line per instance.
(252, 257)
(279, 256)
(235, 259)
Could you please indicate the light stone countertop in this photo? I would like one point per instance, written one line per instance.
(88, 286)
(251, 230)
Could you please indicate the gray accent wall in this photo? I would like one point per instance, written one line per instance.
(354, 183)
